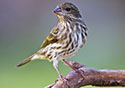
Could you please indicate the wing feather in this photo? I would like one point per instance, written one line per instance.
(51, 38)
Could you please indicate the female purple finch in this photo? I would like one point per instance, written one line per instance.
(65, 39)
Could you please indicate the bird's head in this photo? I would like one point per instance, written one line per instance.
(67, 9)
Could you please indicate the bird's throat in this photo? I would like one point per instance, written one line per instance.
(60, 18)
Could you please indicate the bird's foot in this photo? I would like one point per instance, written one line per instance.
(80, 72)
(64, 80)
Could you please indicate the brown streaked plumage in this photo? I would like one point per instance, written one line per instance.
(65, 39)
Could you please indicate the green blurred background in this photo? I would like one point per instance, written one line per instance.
(25, 23)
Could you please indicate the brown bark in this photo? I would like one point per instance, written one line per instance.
(92, 77)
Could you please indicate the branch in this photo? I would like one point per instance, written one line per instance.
(92, 77)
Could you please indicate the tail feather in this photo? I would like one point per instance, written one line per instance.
(25, 61)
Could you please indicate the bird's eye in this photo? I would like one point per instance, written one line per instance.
(67, 9)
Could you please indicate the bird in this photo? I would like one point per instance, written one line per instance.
(65, 39)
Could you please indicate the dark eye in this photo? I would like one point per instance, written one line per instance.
(67, 9)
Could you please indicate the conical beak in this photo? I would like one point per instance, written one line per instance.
(57, 11)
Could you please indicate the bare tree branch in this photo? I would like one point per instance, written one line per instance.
(92, 77)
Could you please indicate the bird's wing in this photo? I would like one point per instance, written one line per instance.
(51, 38)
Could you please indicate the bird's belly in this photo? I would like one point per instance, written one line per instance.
(72, 50)
(55, 50)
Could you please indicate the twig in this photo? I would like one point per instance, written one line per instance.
(93, 77)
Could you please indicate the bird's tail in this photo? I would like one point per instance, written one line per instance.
(33, 57)
(25, 61)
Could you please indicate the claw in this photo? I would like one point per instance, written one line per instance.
(80, 72)
(65, 82)
(74, 69)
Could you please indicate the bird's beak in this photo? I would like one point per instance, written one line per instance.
(57, 11)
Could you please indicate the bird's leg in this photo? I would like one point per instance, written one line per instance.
(73, 68)
(55, 64)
